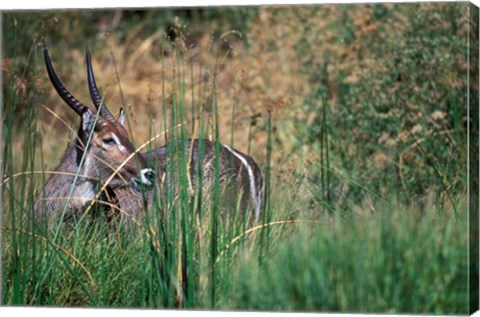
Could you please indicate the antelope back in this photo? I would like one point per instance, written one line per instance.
(239, 176)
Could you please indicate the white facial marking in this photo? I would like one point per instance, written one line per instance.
(119, 144)
(256, 197)
(143, 178)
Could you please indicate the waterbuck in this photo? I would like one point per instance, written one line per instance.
(238, 174)
(100, 150)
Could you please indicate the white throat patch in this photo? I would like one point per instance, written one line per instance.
(85, 192)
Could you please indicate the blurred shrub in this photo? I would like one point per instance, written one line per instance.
(374, 266)
(393, 79)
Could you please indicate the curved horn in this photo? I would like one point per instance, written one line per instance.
(94, 93)
(76, 105)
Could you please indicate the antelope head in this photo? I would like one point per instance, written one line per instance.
(102, 138)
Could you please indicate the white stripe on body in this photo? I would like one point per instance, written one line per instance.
(255, 198)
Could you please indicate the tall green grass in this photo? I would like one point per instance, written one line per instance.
(391, 262)
(384, 256)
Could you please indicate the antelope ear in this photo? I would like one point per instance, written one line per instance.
(121, 117)
(88, 121)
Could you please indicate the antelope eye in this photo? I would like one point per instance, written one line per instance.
(108, 141)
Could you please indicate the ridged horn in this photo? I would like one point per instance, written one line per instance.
(76, 105)
(94, 93)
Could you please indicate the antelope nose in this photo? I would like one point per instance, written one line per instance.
(147, 176)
